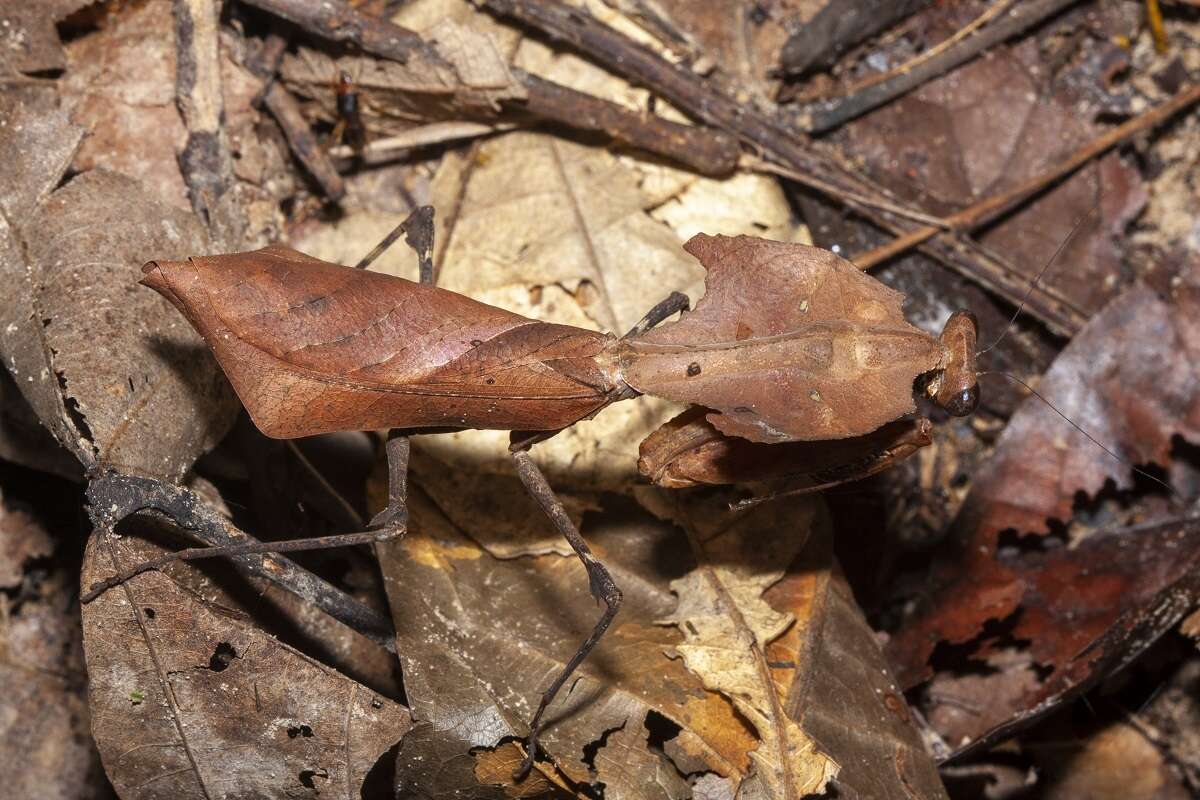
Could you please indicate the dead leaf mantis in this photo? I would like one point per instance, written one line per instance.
(791, 346)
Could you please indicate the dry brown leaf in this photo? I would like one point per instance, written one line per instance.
(44, 735)
(727, 626)
(1130, 380)
(631, 771)
(793, 651)
(1117, 762)
(480, 638)
(997, 124)
(496, 767)
(120, 84)
(188, 698)
(109, 367)
(51, 137)
(29, 40)
(494, 507)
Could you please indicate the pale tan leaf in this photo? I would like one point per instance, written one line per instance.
(819, 695)
(727, 626)
(536, 210)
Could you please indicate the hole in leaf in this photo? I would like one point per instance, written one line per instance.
(306, 776)
(299, 730)
(222, 657)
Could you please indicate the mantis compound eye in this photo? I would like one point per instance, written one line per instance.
(962, 402)
(958, 390)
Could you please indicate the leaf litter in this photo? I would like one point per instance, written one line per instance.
(477, 585)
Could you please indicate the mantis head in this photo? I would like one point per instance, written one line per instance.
(955, 387)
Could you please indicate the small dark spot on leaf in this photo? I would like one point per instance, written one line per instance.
(149, 612)
(744, 410)
(306, 776)
(691, 628)
(45, 322)
(476, 342)
(376, 703)
(693, 369)
(490, 381)
(299, 730)
(221, 657)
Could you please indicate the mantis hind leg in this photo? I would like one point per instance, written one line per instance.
(600, 582)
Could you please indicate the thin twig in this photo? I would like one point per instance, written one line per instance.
(707, 151)
(880, 203)
(826, 115)
(993, 207)
(205, 161)
(114, 497)
(389, 147)
(987, 16)
(286, 111)
(821, 169)
(837, 27)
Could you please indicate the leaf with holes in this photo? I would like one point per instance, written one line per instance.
(1129, 379)
(189, 698)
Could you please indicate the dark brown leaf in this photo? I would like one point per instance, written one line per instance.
(30, 40)
(188, 697)
(996, 124)
(120, 85)
(1130, 380)
(789, 343)
(313, 347)
(44, 734)
(1084, 612)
